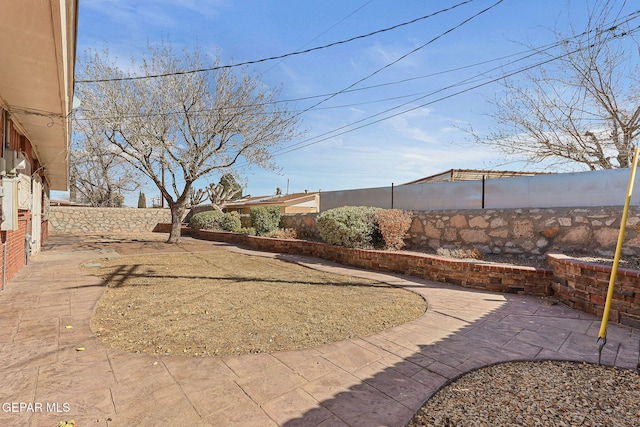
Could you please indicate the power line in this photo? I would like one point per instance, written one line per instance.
(406, 55)
(530, 52)
(332, 95)
(321, 34)
(331, 134)
(325, 136)
(313, 49)
(609, 28)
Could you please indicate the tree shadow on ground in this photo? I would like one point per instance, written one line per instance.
(452, 339)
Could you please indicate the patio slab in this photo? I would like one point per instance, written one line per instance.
(377, 380)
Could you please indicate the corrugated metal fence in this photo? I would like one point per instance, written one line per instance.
(578, 189)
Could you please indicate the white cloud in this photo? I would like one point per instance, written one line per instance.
(416, 125)
(381, 55)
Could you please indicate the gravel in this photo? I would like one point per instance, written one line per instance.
(544, 393)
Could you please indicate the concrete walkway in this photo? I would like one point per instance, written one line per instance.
(380, 380)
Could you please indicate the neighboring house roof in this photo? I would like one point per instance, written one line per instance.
(65, 203)
(280, 200)
(453, 175)
(37, 58)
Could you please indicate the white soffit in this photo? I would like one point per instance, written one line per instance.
(37, 55)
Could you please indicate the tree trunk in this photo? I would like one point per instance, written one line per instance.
(177, 213)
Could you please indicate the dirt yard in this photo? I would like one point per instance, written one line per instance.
(199, 299)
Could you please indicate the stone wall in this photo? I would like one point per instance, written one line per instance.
(304, 224)
(528, 232)
(79, 220)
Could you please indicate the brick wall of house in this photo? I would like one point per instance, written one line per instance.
(15, 241)
(15, 246)
(45, 231)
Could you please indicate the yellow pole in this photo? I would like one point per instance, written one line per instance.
(602, 336)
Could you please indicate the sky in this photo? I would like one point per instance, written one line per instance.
(404, 97)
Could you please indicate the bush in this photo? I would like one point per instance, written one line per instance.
(393, 225)
(248, 230)
(209, 220)
(142, 200)
(284, 233)
(265, 219)
(350, 226)
(215, 220)
(231, 221)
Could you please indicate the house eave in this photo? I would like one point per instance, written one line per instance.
(37, 58)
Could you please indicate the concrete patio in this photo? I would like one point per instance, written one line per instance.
(379, 380)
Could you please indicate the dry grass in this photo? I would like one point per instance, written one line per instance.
(220, 302)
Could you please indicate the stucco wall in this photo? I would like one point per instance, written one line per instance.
(592, 188)
(78, 220)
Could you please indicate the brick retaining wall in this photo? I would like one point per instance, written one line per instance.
(580, 285)
(584, 286)
(522, 280)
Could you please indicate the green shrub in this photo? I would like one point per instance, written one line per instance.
(248, 230)
(265, 219)
(393, 225)
(142, 200)
(209, 220)
(231, 221)
(350, 226)
(215, 220)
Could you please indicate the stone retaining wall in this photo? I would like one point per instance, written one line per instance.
(79, 220)
(304, 224)
(528, 232)
(531, 232)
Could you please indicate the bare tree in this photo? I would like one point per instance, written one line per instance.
(98, 175)
(187, 124)
(585, 110)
